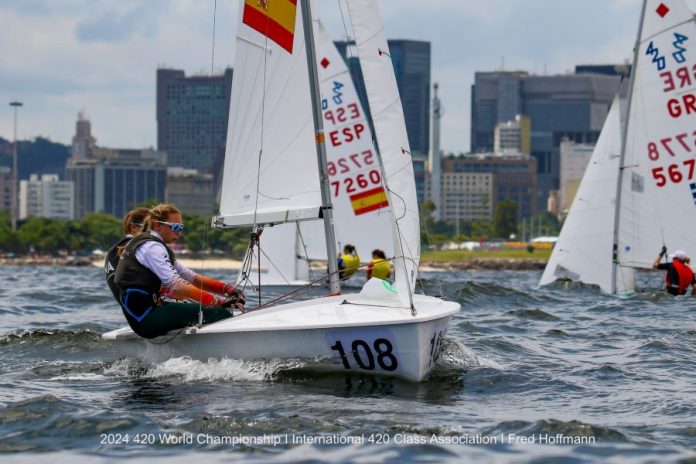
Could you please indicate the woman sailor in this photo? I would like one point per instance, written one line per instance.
(148, 272)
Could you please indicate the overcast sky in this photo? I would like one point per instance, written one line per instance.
(64, 56)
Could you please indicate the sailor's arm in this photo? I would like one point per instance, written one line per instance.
(663, 252)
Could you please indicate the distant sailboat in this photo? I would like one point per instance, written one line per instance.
(639, 189)
(272, 176)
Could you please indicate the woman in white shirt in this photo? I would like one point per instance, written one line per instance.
(148, 272)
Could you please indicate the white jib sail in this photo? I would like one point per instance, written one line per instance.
(659, 177)
(362, 216)
(392, 140)
(271, 120)
(583, 251)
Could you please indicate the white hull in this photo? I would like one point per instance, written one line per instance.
(363, 335)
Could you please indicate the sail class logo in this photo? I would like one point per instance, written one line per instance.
(274, 19)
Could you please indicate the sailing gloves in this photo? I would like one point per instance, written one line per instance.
(235, 299)
(663, 251)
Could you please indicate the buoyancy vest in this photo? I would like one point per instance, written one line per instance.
(350, 265)
(139, 287)
(686, 276)
(110, 263)
(380, 268)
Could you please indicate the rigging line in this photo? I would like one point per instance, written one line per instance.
(263, 118)
(304, 248)
(312, 285)
(209, 142)
(345, 26)
(274, 266)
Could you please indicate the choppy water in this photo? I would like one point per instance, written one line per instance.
(586, 377)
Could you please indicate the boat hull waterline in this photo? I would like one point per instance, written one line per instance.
(341, 333)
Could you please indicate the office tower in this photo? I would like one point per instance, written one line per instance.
(411, 61)
(115, 180)
(192, 115)
(5, 188)
(569, 106)
(47, 197)
(473, 185)
(82, 142)
(190, 191)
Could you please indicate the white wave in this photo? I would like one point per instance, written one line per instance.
(455, 355)
(192, 370)
(79, 377)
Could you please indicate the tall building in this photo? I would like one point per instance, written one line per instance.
(190, 191)
(513, 136)
(46, 196)
(420, 175)
(573, 106)
(411, 61)
(192, 115)
(82, 142)
(5, 188)
(476, 184)
(574, 160)
(435, 159)
(114, 181)
(467, 196)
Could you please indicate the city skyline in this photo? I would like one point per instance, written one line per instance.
(102, 58)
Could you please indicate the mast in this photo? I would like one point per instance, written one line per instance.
(624, 135)
(326, 207)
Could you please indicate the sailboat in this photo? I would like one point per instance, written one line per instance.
(276, 173)
(361, 210)
(639, 190)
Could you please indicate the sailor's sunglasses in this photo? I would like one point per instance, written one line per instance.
(175, 226)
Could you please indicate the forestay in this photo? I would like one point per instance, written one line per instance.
(392, 140)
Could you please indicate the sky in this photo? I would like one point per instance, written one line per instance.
(63, 57)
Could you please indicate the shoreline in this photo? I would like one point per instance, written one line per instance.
(504, 264)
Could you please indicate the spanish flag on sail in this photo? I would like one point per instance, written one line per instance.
(369, 200)
(273, 18)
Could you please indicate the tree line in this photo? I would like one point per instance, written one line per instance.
(101, 230)
(503, 225)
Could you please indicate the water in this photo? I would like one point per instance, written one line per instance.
(586, 377)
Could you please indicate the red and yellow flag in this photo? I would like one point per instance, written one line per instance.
(273, 18)
(369, 200)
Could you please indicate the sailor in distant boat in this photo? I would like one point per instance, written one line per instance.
(133, 223)
(348, 262)
(148, 272)
(679, 275)
(379, 267)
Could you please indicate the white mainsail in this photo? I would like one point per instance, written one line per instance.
(361, 211)
(659, 175)
(583, 251)
(656, 175)
(270, 170)
(392, 140)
